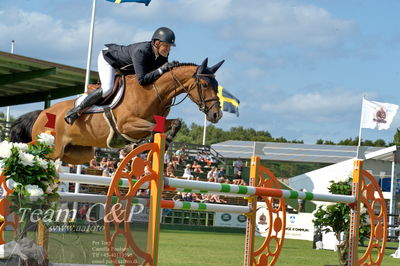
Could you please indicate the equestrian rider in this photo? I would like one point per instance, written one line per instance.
(148, 60)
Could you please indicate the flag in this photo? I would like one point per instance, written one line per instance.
(229, 103)
(377, 115)
(146, 2)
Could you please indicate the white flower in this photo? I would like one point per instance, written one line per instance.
(46, 138)
(12, 184)
(50, 187)
(41, 162)
(34, 191)
(5, 149)
(58, 165)
(21, 146)
(26, 159)
(363, 210)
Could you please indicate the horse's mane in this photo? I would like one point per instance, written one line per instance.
(185, 64)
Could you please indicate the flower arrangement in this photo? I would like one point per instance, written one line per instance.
(34, 177)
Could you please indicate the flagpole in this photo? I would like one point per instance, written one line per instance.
(204, 130)
(360, 130)
(89, 56)
(88, 64)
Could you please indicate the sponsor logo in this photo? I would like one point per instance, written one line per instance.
(226, 217)
(241, 219)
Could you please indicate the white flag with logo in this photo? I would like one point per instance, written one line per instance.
(377, 115)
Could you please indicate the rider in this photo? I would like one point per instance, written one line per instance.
(148, 60)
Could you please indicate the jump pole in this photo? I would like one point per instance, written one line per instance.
(267, 188)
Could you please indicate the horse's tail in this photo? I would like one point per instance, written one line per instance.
(21, 129)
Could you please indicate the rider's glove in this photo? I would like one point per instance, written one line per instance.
(168, 66)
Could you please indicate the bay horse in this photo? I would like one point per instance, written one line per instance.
(133, 116)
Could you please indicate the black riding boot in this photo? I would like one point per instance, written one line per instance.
(91, 99)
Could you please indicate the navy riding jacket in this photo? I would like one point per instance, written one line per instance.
(137, 58)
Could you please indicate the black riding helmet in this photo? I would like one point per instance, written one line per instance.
(164, 34)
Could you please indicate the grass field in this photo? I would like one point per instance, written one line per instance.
(178, 247)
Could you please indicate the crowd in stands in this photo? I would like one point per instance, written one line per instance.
(107, 165)
(179, 164)
(202, 167)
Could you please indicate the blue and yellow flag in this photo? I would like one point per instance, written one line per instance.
(146, 2)
(229, 103)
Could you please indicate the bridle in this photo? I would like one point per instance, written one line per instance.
(200, 88)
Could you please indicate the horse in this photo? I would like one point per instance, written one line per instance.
(133, 117)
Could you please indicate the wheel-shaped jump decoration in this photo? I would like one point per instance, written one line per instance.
(273, 220)
(5, 208)
(118, 207)
(372, 198)
(269, 250)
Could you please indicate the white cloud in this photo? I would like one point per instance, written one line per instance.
(52, 38)
(285, 23)
(186, 10)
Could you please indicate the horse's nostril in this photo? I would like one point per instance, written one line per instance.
(215, 115)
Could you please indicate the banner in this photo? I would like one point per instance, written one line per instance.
(298, 226)
(224, 219)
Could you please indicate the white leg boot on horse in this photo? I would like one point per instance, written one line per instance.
(90, 100)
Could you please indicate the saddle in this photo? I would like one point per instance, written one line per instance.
(110, 101)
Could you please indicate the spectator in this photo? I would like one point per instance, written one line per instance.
(82, 211)
(170, 170)
(196, 197)
(208, 159)
(301, 203)
(198, 157)
(187, 172)
(167, 158)
(72, 168)
(175, 161)
(143, 193)
(123, 152)
(197, 167)
(188, 197)
(110, 169)
(177, 197)
(93, 163)
(180, 153)
(237, 166)
(103, 163)
(238, 179)
(222, 175)
(212, 175)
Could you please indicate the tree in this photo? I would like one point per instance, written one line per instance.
(336, 218)
(3, 128)
(396, 138)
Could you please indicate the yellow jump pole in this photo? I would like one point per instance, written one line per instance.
(155, 198)
(355, 213)
(251, 216)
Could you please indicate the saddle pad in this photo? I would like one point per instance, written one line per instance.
(100, 108)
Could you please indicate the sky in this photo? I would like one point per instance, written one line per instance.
(300, 68)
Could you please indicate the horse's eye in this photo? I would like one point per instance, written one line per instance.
(204, 85)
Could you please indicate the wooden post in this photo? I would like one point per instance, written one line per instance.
(251, 217)
(355, 213)
(155, 198)
(42, 235)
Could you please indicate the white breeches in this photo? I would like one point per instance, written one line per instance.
(106, 73)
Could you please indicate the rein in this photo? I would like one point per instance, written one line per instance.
(202, 104)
